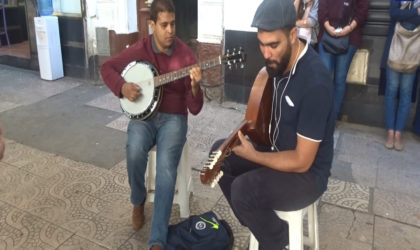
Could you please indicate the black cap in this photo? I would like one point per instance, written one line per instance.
(274, 14)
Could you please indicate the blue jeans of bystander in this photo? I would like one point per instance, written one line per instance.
(338, 65)
(396, 118)
(168, 132)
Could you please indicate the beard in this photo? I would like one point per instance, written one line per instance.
(280, 66)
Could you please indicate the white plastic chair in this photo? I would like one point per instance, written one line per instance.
(295, 221)
(183, 186)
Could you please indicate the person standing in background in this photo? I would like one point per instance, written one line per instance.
(341, 18)
(396, 114)
(307, 20)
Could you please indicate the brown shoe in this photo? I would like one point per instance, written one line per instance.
(389, 144)
(138, 217)
(398, 144)
(156, 247)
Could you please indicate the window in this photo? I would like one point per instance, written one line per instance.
(67, 7)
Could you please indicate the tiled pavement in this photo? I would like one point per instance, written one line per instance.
(51, 199)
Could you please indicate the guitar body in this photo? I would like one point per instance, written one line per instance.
(142, 74)
(255, 125)
(258, 110)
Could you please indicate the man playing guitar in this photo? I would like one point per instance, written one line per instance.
(292, 172)
(167, 128)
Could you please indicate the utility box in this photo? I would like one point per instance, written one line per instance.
(49, 48)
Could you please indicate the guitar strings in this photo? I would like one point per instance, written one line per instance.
(276, 129)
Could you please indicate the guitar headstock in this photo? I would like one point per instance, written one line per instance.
(234, 57)
(211, 173)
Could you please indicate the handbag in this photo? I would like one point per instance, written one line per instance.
(339, 45)
(404, 56)
(335, 45)
(359, 68)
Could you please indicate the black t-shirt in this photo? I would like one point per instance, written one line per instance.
(306, 110)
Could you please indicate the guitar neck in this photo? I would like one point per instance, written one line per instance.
(178, 74)
(233, 138)
(211, 171)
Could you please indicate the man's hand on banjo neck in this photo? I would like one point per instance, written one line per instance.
(196, 77)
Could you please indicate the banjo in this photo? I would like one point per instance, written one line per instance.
(146, 76)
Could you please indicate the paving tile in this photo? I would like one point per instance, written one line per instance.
(341, 170)
(121, 123)
(28, 92)
(82, 177)
(404, 208)
(78, 243)
(108, 102)
(202, 141)
(344, 229)
(398, 172)
(120, 168)
(347, 194)
(62, 209)
(391, 235)
(12, 177)
(364, 175)
(7, 105)
(105, 231)
(205, 191)
(22, 230)
(359, 149)
(78, 198)
(20, 155)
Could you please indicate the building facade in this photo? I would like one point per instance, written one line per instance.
(93, 30)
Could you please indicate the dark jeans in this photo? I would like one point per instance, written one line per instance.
(254, 191)
(338, 66)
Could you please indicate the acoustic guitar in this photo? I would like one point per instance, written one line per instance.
(255, 126)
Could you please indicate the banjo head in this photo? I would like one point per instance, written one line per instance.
(142, 74)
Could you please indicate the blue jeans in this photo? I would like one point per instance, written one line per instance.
(395, 119)
(168, 132)
(338, 65)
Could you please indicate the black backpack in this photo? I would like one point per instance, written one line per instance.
(200, 232)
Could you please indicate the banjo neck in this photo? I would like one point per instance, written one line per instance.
(178, 74)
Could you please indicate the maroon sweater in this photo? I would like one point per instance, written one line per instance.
(177, 95)
(331, 10)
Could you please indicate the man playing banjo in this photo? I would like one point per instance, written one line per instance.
(167, 127)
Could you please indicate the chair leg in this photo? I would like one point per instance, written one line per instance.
(316, 232)
(182, 184)
(150, 176)
(253, 243)
(296, 230)
(310, 238)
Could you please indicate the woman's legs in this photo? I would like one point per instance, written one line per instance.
(338, 66)
(395, 119)
(392, 85)
(406, 88)
(342, 65)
